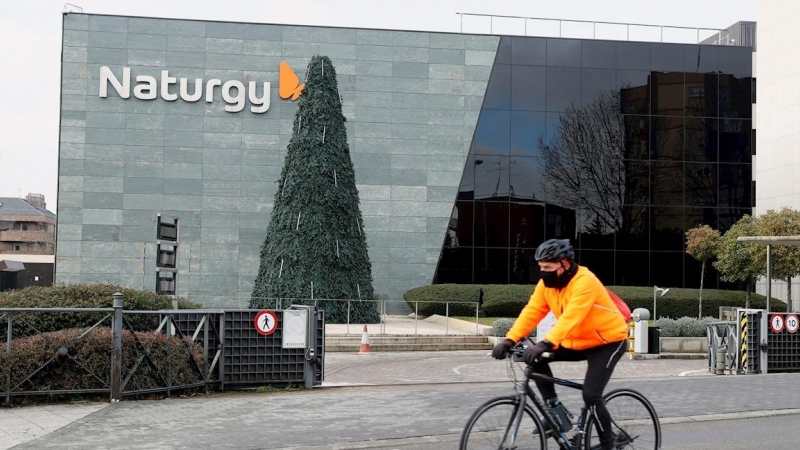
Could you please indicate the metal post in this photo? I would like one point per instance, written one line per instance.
(462, 22)
(169, 352)
(628, 32)
(348, 317)
(205, 349)
(221, 343)
(477, 329)
(769, 278)
(116, 351)
(662, 33)
(447, 318)
(526, 26)
(491, 22)
(559, 28)
(594, 30)
(9, 335)
(416, 314)
(311, 345)
(655, 317)
(698, 36)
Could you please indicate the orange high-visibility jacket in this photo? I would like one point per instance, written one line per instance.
(586, 315)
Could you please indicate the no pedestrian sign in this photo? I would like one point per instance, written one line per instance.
(266, 322)
(776, 323)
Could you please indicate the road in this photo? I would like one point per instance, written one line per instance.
(777, 432)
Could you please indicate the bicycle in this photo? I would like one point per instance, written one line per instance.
(516, 425)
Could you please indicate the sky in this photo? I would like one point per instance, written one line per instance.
(30, 48)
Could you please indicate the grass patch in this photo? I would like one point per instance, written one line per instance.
(481, 320)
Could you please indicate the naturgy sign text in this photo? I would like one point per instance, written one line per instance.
(233, 92)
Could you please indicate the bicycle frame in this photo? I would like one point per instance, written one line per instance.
(561, 437)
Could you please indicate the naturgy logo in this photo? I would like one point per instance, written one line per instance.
(147, 88)
(288, 82)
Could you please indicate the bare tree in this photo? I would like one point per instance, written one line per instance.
(585, 166)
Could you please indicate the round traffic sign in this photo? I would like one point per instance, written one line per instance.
(792, 324)
(776, 323)
(266, 322)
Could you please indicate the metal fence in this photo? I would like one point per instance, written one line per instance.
(535, 26)
(133, 326)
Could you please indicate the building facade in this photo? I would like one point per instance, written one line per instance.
(469, 150)
(777, 164)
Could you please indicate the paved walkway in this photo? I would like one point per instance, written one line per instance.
(18, 425)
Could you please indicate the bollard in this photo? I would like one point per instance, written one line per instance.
(631, 327)
(720, 366)
(116, 351)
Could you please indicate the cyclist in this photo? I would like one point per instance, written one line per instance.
(589, 327)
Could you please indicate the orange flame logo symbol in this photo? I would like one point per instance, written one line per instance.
(289, 84)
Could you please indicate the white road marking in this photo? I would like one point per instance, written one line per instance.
(683, 374)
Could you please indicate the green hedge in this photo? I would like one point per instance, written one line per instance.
(89, 363)
(431, 299)
(508, 300)
(80, 296)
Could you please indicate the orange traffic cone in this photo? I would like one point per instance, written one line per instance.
(364, 342)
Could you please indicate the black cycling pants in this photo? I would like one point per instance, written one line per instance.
(602, 361)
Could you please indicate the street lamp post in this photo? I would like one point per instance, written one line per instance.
(656, 290)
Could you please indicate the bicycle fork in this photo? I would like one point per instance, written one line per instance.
(514, 423)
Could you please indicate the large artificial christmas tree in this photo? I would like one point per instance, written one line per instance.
(315, 246)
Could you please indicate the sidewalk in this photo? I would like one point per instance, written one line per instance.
(18, 425)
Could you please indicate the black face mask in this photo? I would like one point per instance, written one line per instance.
(551, 279)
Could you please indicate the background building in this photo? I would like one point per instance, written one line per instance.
(27, 238)
(777, 165)
(469, 150)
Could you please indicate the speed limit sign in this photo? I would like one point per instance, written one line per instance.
(776, 323)
(792, 324)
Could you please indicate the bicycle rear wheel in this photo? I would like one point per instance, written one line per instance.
(633, 419)
(493, 426)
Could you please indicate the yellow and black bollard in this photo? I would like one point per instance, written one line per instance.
(631, 338)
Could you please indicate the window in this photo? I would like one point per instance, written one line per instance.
(16, 247)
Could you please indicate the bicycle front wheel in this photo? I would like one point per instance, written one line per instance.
(494, 426)
(633, 421)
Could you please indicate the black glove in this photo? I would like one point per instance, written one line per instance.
(500, 350)
(531, 353)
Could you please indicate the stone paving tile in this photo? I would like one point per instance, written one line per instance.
(348, 415)
(19, 425)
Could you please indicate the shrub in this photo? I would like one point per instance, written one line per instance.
(685, 326)
(669, 327)
(680, 302)
(88, 365)
(508, 300)
(501, 326)
(81, 296)
(505, 300)
(431, 299)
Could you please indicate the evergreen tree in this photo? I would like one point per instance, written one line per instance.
(315, 246)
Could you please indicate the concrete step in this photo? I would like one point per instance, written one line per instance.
(409, 347)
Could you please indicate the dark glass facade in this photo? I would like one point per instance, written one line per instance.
(619, 146)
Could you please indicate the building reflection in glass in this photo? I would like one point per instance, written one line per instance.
(619, 146)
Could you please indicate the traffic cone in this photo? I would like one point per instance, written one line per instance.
(364, 342)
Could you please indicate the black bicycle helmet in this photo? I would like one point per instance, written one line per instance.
(555, 250)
